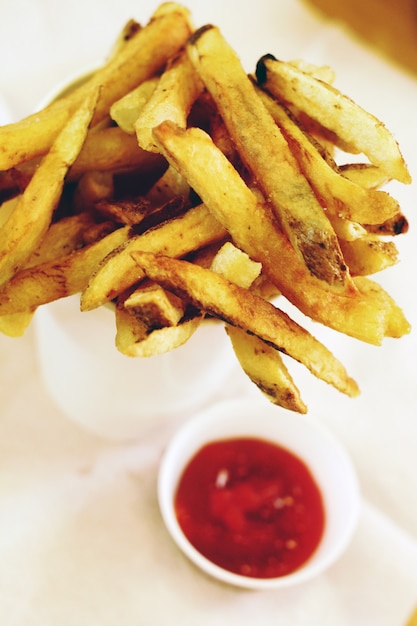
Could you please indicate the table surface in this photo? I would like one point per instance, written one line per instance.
(81, 537)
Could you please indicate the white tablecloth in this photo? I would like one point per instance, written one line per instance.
(81, 538)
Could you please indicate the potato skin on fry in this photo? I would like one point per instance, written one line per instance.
(336, 112)
(239, 307)
(264, 366)
(268, 157)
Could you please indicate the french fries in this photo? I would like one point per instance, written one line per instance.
(249, 123)
(239, 307)
(177, 189)
(30, 219)
(335, 112)
(364, 315)
(341, 196)
(177, 237)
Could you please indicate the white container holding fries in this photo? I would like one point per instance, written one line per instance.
(115, 396)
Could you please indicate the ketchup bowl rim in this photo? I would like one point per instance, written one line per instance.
(302, 435)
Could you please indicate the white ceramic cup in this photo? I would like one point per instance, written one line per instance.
(110, 394)
(115, 396)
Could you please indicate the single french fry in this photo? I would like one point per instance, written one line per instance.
(266, 369)
(126, 111)
(155, 306)
(111, 149)
(359, 130)
(396, 226)
(235, 265)
(175, 93)
(366, 175)
(134, 339)
(25, 228)
(129, 30)
(369, 255)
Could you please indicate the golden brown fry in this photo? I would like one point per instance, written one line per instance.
(126, 111)
(177, 237)
(265, 367)
(239, 307)
(62, 238)
(15, 325)
(369, 255)
(139, 59)
(235, 265)
(365, 315)
(266, 153)
(30, 219)
(107, 150)
(262, 363)
(129, 30)
(338, 194)
(127, 212)
(396, 226)
(134, 339)
(172, 99)
(336, 112)
(366, 175)
(57, 278)
(155, 306)
(375, 296)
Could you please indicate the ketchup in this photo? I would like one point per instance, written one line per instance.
(250, 506)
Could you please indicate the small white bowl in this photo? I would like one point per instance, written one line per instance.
(301, 435)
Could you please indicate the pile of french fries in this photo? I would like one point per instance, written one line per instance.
(178, 189)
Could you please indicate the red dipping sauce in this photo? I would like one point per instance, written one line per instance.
(251, 507)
